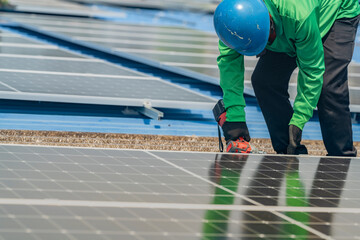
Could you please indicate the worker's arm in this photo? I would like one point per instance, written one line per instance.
(231, 67)
(310, 60)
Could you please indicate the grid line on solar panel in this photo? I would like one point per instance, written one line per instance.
(76, 74)
(6, 87)
(74, 59)
(58, 65)
(28, 50)
(173, 206)
(159, 90)
(27, 45)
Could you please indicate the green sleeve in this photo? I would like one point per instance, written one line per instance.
(310, 60)
(231, 67)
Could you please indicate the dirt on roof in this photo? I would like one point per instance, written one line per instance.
(136, 141)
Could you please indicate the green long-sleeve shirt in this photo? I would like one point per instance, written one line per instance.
(299, 31)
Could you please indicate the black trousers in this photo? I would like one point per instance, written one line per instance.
(271, 78)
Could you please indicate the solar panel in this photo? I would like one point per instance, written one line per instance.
(77, 193)
(46, 73)
(192, 54)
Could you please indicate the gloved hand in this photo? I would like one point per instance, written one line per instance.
(294, 147)
(235, 130)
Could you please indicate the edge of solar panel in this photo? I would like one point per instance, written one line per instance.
(178, 152)
(105, 100)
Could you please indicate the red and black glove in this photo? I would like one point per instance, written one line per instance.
(234, 130)
(236, 134)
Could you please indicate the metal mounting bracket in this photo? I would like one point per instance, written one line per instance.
(150, 112)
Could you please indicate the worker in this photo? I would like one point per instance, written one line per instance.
(315, 36)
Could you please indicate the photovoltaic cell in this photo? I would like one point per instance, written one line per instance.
(72, 193)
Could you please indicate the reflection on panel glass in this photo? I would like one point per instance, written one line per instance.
(265, 188)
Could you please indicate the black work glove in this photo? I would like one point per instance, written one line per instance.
(234, 130)
(294, 146)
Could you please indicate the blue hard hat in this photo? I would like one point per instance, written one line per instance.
(243, 25)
